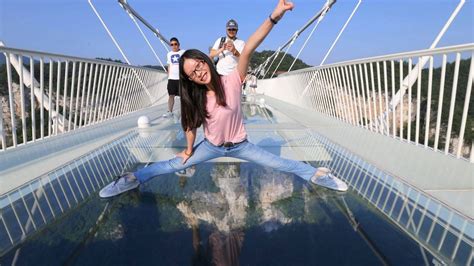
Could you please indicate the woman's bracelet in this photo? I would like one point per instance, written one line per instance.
(187, 153)
(272, 20)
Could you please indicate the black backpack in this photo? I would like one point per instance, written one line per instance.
(220, 46)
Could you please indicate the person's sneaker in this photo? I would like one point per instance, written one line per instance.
(168, 114)
(328, 180)
(121, 184)
(188, 172)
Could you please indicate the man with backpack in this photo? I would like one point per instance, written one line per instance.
(228, 49)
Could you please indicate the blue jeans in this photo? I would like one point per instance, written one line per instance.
(205, 151)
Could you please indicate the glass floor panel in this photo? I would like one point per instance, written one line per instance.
(257, 112)
(223, 213)
(228, 211)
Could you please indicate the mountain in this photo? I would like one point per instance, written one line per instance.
(260, 57)
(155, 67)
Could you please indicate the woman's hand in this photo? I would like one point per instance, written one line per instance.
(188, 152)
(259, 35)
(281, 8)
(184, 155)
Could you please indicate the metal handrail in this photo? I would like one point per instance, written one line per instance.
(11, 50)
(360, 91)
(424, 52)
(85, 92)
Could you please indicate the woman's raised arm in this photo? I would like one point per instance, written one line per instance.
(259, 35)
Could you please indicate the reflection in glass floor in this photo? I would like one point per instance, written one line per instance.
(228, 210)
(223, 213)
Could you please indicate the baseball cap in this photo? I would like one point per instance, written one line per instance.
(232, 24)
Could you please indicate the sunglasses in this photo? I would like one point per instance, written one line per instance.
(232, 29)
(174, 44)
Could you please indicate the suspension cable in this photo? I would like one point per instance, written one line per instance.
(411, 78)
(264, 65)
(146, 40)
(164, 41)
(307, 39)
(273, 57)
(325, 8)
(120, 49)
(260, 70)
(330, 49)
(295, 36)
(108, 31)
(340, 32)
(129, 9)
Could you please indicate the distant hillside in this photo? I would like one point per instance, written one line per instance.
(259, 57)
(110, 59)
(120, 61)
(155, 67)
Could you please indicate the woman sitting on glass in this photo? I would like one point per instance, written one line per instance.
(215, 102)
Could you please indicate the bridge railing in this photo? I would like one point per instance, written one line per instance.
(422, 97)
(43, 94)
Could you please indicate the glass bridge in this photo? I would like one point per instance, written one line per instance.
(224, 211)
(399, 129)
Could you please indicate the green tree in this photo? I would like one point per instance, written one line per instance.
(259, 57)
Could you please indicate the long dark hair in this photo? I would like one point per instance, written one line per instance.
(193, 95)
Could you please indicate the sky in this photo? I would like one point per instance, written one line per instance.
(379, 27)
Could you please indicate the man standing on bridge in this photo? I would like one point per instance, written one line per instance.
(228, 49)
(172, 58)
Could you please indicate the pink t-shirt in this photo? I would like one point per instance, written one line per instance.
(226, 123)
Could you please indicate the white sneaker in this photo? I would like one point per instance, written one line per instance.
(168, 114)
(329, 181)
(188, 172)
(119, 185)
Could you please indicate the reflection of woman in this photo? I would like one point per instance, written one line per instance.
(215, 102)
(225, 212)
(225, 247)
